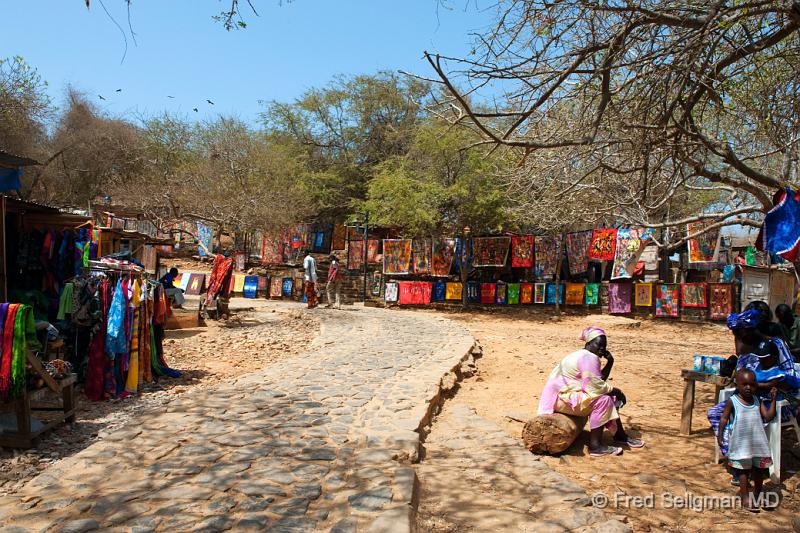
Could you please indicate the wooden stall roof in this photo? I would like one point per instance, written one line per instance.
(135, 235)
(15, 161)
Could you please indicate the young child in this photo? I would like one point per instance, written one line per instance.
(748, 452)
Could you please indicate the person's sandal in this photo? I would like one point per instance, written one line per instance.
(604, 451)
(630, 442)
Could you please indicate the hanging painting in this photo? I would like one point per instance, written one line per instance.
(578, 251)
(390, 293)
(702, 248)
(240, 260)
(631, 242)
(592, 293)
(444, 250)
(288, 285)
(376, 283)
(355, 255)
(373, 251)
(513, 293)
(575, 293)
(238, 283)
(415, 292)
(550, 294)
(473, 292)
(275, 287)
(720, 300)
(184, 282)
(539, 296)
(547, 249)
(488, 291)
(619, 297)
(467, 253)
(526, 293)
(396, 256)
(339, 238)
(196, 284)
(644, 294)
(453, 291)
(271, 249)
(490, 251)
(421, 254)
(668, 298)
(250, 286)
(263, 284)
(439, 291)
(501, 294)
(522, 251)
(694, 294)
(204, 238)
(604, 242)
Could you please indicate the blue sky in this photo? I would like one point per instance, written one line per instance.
(182, 52)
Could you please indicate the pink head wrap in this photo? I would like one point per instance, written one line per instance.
(591, 333)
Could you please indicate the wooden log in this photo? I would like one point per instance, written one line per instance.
(551, 434)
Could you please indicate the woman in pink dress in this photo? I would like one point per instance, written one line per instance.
(578, 387)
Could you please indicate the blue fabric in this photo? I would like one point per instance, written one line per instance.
(115, 331)
(167, 280)
(250, 286)
(288, 283)
(319, 241)
(10, 179)
(747, 319)
(473, 292)
(728, 272)
(550, 294)
(469, 258)
(439, 289)
(780, 232)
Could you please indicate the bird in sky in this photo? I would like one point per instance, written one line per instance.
(168, 96)
(118, 90)
(209, 101)
(100, 96)
(194, 109)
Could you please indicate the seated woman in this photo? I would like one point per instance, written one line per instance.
(578, 387)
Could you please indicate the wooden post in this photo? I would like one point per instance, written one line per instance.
(687, 406)
(559, 264)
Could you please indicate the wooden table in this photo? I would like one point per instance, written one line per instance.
(690, 377)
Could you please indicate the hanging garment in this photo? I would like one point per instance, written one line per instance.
(7, 355)
(115, 330)
(65, 302)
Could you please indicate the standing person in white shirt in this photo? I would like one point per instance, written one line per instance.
(310, 279)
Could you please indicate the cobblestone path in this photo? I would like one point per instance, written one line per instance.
(319, 442)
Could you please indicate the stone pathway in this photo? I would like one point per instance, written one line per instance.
(475, 478)
(319, 442)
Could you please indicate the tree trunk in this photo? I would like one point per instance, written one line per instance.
(559, 264)
(551, 434)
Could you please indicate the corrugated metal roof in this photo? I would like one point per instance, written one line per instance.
(11, 160)
(26, 205)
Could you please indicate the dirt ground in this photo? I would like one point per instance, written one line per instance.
(250, 340)
(519, 353)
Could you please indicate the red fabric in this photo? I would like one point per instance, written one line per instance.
(8, 344)
(415, 292)
(221, 281)
(526, 293)
(522, 251)
(488, 293)
(604, 244)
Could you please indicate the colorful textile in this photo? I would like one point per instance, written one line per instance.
(276, 287)
(526, 293)
(490, 251)
(24, 339)
(271, 249)
(547, 250)
(310, 291)
(444, 251)
(473, 292)
(421, 254)
(238, 283)
(694, 294)
(7, 352)
(286, 287)
(396, 256)
(619, 297)
(115, 330)
(453, 291)
(592, 293)
(550, 294)
(540, 293)
(591, 333)
(488, 293)
(241, 261)
(513, 293)
(780, 232)
(501, 294)
(204, 238)
(578, 251)
(182, 281)
(720, 300)
(339, 238)
(604, 244)
(197, 283)
(373, 251)
(439, 291)
(219, 282)
(415, 292)
(631, 242)
(65, 302)
(668, 298)
(464, 254)
(391, 292)
(577, 383)
(250, 288)
(575, 293)
(702, 248)
(355, 255)
(644, 294)
(522, 251)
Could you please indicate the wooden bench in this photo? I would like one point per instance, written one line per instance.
(35, 401)
(690, 377)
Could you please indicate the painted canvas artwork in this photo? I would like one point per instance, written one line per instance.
(355, 255)
(539, 295)
(604, 243)
(415, 292)
(439, 291)
(720, 300)
(197, 284)
(694, 294)
(238, 282)
(271, 249)
(578, 251)
(263, 283)
(376, 283)
(526, 293)
(550, 294)
(204, 235)
(513, 293)
(444, 251)
(668, 297)
(397, 256)
(390, 293)
(546, 250)
(288, 285)
(501, 294)
(522, 251)
(421, 253)
(453, 291)
(575, 293)
(488, 292)
(339, 237)
(592, 293)
(644, 294)
(490, 251)
(275, 287)
(619, 297)
(702, 248)
(473, 292)
(250, 286)
(631, 242)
